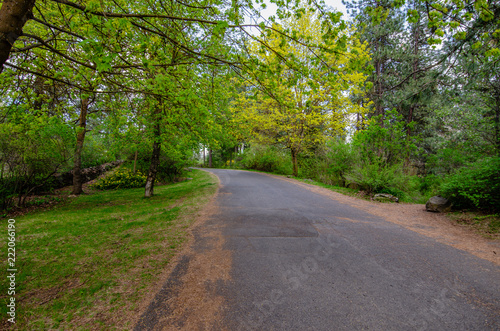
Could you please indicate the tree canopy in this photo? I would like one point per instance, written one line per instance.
(161, 81)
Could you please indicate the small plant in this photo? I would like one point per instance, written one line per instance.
(265, 158)
(377, 178)
(475, 186)
(121, 179)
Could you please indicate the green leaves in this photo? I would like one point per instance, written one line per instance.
(301, 86)
(475, 186)
(220, 28)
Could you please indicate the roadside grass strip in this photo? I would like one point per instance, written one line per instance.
(86, 263)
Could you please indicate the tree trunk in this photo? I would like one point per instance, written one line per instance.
(13, 15)
(294, 162)
(496, 122)
(379, 109)
(204, 159)
(210, 158)
(80, 137)
(416, 62)
(135, 161)
(155, 157)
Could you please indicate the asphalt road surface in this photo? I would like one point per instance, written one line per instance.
(302, 261)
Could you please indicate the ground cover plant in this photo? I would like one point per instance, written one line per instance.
(86, 263)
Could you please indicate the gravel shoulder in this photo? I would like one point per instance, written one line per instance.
(414, 217)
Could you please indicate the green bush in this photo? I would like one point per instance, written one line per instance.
(95, 152)
(475, 186)
(122, 178)
(446, 160)
(385, 141)
(429, 184)
(267, 158)
(7, 193)
(379, 178)
(170, 166)
(310, 166)
(341, 158)
(169, 169)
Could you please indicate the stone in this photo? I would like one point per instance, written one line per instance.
(438, 204)
(88, 174)
(385, 197)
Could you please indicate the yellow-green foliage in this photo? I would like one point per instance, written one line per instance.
(122, 178)
(302, 90)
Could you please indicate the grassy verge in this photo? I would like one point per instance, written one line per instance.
(339, 189)
(86, 263)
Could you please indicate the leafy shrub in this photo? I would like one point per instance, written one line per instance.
(169, 168)
(376, 156)
(446, 160)
(310, 166)
(122, 178)
(475, 186)
(387, 143)
(32, 148)
(266, 158)
(429, 184)
(96, 152)
(379, 178)
(340, 158)
(15, 189)
(7, 193)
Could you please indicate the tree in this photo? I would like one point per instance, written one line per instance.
(299, 90)
(33, 142)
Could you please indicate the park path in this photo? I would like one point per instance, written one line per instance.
(273, 254)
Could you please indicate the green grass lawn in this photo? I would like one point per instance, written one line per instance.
(89, 261)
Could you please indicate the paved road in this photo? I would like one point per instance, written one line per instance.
(302, 261)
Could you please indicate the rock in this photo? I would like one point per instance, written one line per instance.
(289, 176)
(438, 204)
(88, 174)
(385, 197)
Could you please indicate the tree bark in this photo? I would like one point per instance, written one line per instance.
(80, 137)
(135, 161)
(210, 158)
(416, 62)
(13, 16)
(496, 122)
(294, 162)
(155, 157)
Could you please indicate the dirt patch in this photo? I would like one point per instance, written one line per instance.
(416, 218)
(186, 296)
